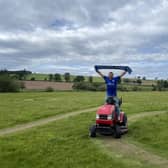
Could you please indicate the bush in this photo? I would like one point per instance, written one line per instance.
(89, 86)
(135, 88)
(49, 89)
(79, 78)
(33, 79)
(126, 80)
(122, 88)
(101, 87)
(7, 84)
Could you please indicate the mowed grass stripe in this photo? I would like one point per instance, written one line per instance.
(19, 108)
(41, 122)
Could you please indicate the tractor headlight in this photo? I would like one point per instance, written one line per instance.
(97, 116)
(109, 117)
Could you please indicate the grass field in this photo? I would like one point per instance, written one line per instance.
(60, 144)
(23, 107)
(65, 143)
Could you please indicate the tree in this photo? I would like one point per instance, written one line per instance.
(21, 74)
(57, 77)
(165, 84)
(50, 77)
(67, 77)
(90, 79)
(3, 72)
(161, 84)
(79, 78)
(144, 78)
(126, 80)
(139, 81)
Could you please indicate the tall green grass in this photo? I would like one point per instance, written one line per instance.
(152, 133)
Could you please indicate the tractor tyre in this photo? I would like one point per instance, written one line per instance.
(117, 132)
(124, 120)
(92, 132)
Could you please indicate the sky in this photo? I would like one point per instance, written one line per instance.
(58, 36)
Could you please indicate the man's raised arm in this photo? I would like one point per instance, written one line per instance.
(123, 73)
(100, 73)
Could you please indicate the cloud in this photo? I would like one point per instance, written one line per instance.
(73, 35)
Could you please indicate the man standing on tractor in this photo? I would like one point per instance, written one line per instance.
(111, 88)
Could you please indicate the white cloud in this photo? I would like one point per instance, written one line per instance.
(69, 35)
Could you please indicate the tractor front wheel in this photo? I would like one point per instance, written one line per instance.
(125, 120)
(92, 132)
(117, 132)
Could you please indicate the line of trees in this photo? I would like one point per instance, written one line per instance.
(136, 81)
(161, 85)
(19, 75)
(68, 78)
(22, 75)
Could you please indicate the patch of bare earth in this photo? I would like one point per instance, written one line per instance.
(42, 85)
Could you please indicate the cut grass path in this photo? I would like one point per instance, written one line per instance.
(47, 120)
(124, 148)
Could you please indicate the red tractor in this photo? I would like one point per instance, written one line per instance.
(106, 117)
(106, 120)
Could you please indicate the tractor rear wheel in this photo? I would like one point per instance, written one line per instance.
(92, 132)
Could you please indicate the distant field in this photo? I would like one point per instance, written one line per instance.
(42, 77)
(43, 85)
(39, 76)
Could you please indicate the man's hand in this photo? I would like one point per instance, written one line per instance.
(97, 70)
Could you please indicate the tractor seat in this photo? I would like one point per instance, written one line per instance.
(111, 101)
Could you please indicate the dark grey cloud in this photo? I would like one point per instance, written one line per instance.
(68, 35)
